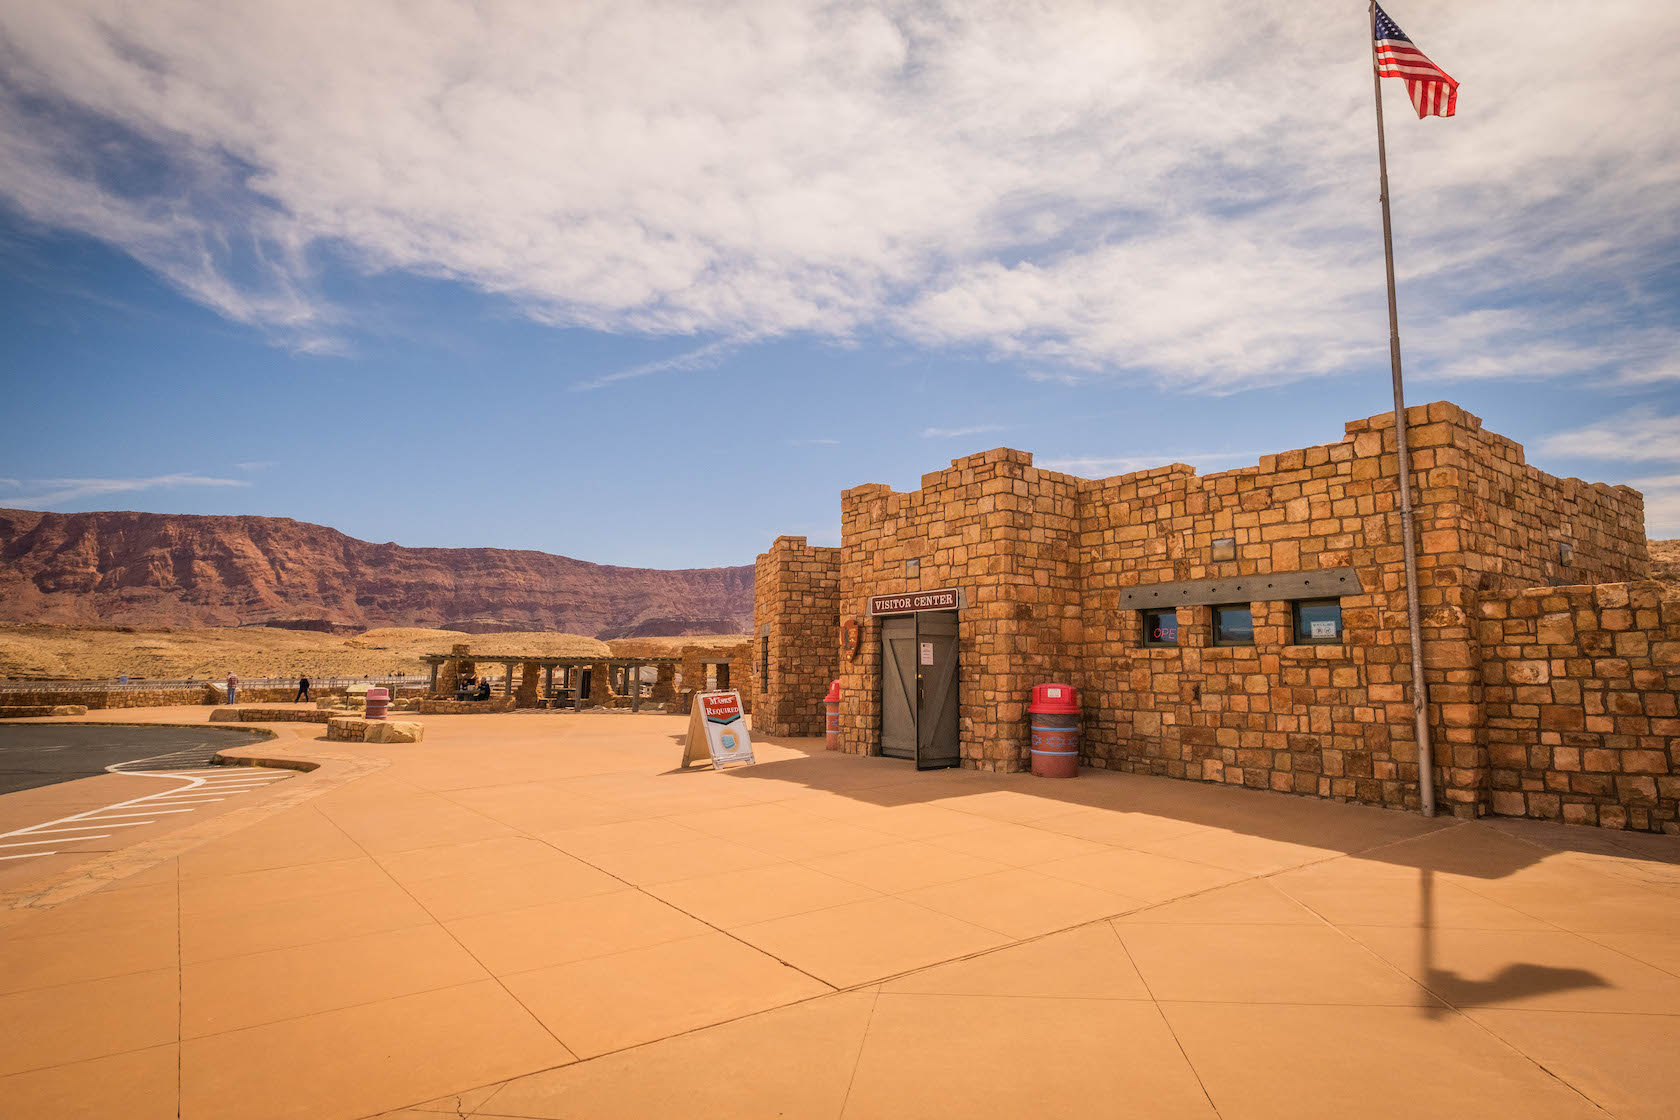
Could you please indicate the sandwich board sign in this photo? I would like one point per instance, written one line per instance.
(716, 729)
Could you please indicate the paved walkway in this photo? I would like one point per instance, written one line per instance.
(537, 916)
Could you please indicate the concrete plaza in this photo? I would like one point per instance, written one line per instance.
(539, 915)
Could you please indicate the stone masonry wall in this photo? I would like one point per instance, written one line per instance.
(1581, 685)
(1045, 558)
(1513, 517)
(1334, 721)
(1003, 531)
(796, 615)
(739, 655)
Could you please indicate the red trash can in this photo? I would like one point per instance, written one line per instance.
(832, 702)
(1054, 717)
(378, 700)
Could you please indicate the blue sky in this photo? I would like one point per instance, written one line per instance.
(648, 286)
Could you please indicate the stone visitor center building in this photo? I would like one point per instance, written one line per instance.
(1249, 627)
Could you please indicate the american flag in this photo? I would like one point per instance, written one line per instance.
(1432, 90)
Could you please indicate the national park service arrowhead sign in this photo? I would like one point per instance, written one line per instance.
(717, 729)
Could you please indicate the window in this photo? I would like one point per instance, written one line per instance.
(1233, 626)
(1318, 620)
(1160, 628)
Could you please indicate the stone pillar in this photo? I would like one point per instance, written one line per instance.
(600, 683)
(633, 678)
(664, 685)
(528, 685)
(548, 682)
(432, 689)
(454, 671)
(507, 679)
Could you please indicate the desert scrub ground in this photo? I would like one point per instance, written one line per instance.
(669, 647)
(75, 652)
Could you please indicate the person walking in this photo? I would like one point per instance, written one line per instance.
(303, 691)
(233, 688)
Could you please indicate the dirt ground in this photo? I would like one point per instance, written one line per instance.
(669, 647)
(73, 652)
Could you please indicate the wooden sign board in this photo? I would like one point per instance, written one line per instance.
(717, 730)
(945, 599)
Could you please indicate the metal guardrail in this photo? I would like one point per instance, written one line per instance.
(315, 683)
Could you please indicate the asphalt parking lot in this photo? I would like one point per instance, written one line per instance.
(35, 755)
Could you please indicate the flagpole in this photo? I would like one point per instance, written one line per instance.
(1420, 689)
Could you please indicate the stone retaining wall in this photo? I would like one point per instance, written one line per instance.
(28, 711)
(430, 707)
(160, 697)
(270, 715)
(118, 698)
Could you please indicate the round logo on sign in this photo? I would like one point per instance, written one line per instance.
(849, 639)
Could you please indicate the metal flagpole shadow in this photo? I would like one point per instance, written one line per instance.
(1420, 689)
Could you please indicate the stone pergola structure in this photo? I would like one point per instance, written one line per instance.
(611, 681)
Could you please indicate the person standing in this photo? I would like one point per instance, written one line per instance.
(233, 688)
(303, 691)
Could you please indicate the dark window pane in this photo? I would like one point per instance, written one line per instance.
(1160, 628)
(1318, 620)
(1233, 625)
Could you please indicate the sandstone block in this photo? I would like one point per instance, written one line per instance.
(395, 731)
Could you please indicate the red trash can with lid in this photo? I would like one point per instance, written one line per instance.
(1054, 718)
(378, 700)
(832, 703)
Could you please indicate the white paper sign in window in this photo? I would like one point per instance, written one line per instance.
(1324, 629)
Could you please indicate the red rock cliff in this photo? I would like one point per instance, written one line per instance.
(177, 570)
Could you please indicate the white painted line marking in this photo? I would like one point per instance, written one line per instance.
(79, 828)
(33, 843)
(229, 771)
(184, 798)
(150, 813)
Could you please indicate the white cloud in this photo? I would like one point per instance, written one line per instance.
(954, 433)
(1109, 467)
(1662, 505)
(257, 465)
(1636, 436)
(1107, 189)
(49, 492)
(705, 357)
